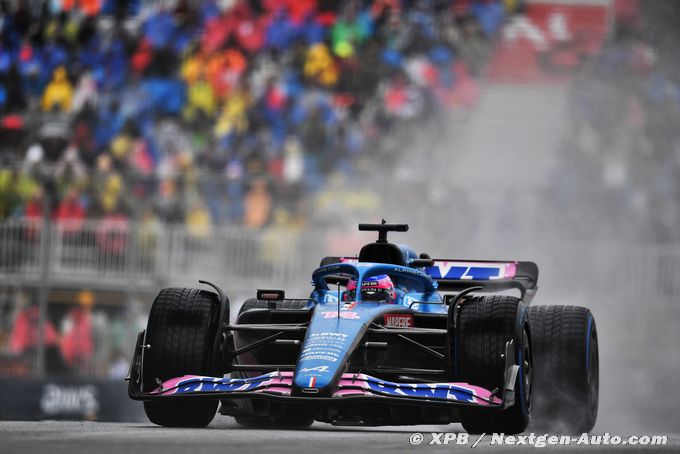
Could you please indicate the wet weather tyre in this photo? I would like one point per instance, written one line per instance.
(566, 368)
(181, 332)
(485, 324)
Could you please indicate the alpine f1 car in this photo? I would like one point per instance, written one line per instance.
(388, 337)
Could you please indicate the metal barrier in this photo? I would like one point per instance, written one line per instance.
(113, 253)
(625, 284)
(19, 247)
(139, 257)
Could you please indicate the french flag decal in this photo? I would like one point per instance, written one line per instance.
(312, 382)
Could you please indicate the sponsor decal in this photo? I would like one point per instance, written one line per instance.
(548, 42)
(60, 399)
(327, 269)
(331, 357)
(414, 272)
(330, 298)
(349, 306)
(433, 391)
(324, 346)
(321, 369)
(208, 384)
(409, 271)
(398, 320)
(471, 270)
(370, 284)
(343, 314)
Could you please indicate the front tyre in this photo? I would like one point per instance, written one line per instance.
(567, 368)
(181, 332)
(485, 325)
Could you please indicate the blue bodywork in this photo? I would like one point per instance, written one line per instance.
(343, 360)
(338, 326)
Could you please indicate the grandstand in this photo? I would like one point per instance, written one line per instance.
(147, 141)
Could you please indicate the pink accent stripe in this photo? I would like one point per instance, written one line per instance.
(510, 269)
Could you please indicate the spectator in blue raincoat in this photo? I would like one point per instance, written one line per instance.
(160, 29)
(281, 32)
(489, 14)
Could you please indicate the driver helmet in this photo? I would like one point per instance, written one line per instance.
(375, 288)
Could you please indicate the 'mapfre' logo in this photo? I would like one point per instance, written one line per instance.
(398, 320)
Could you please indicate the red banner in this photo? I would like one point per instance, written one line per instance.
(548, 43)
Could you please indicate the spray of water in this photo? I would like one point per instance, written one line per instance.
(504, 184)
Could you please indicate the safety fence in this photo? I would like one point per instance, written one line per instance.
(115, 253)
(632, 289)
(142, 257)
(89, 284)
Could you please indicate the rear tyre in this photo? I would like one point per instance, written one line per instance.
(485, 325)
(181, 331)
(566, 352)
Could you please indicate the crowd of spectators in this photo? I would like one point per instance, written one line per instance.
(625, 109)
(84, 338)
(250, 113)
(218, 112)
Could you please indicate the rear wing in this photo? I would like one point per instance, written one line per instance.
(492, 276)
(457, 275)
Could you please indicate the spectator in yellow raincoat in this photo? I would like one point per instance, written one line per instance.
(233, 117)
(59, 92)
(201, 98)
(198, 221)
(320, 66)
(15, 190)
(192, 68)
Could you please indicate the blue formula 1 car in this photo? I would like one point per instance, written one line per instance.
(386, 338)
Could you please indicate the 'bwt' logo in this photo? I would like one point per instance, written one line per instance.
(435, 391)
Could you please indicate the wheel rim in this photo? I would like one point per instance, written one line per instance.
(593, 375)
(527, 370)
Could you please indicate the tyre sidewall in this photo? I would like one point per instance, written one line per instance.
(515, 418)
(522, 329)
(567, 364)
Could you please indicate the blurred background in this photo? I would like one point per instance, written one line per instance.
(152, 143)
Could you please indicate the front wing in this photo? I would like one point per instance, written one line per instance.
(278, 386)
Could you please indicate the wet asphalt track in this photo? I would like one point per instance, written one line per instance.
(223, 435)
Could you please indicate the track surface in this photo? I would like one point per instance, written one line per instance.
(223, 435)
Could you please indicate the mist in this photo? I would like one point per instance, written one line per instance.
(506, 184)
(578, 173)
